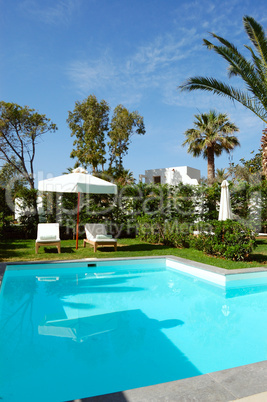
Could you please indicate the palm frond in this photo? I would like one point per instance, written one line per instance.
(257, 36)
(253, 72)
(219, 88)
(225, 43)
(256, 60)
(240, 66)
(231, 54)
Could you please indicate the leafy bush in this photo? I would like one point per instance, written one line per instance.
(159, 230)
(228, 239)
(151, 228)
(177, 235)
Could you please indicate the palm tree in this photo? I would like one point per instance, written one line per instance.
(221, 175)
(211, 136)
(253, 73)
(124, 177)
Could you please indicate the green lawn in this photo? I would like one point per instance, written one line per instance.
(24, 250)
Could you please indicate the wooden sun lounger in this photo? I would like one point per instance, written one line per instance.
(94, 232)
(48, 235)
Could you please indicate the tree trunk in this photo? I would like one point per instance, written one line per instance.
(211, 166)
(31, 181)
(264, 151)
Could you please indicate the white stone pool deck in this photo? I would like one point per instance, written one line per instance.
(245, 383)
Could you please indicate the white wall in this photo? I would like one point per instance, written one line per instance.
(174, 175)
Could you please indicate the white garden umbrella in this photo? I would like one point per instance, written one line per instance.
(225, 204)
(79, 181)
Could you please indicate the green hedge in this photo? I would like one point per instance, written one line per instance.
(227, 239)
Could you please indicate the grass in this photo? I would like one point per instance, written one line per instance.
(24, 250)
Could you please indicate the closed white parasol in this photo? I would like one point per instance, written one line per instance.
(225, 204)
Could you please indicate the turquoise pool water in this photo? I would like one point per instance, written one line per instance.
(70, 331)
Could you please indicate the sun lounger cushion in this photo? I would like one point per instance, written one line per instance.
(105, 237)
(48, 237)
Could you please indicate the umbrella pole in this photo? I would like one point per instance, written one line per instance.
(77, 225)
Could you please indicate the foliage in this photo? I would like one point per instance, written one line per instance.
(150, 230)
(249, 171)
(210, 137)
(159, 230)
(207, 200)
(228, 239)
(172, 202)
(177, 235)
(248, 191)
(254, 165)
(5, 212)
(185, 205)
(121, 177)
(10, 178)
(89, 123)
(263, 206)
(240, 199)
(27, 198)
(20, 129)
(50, 207)
(124, 125)
(221, 175)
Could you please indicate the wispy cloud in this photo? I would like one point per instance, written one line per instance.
(58, 13)
(160, 54)
(153, 65)
(92, 75)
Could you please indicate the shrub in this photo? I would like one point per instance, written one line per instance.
(159, 230)
(177, 235)
(151, 229)
(228, 239)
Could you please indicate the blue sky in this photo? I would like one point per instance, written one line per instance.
(135, 53)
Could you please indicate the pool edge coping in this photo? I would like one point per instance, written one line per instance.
(195, 264)
(224, 386)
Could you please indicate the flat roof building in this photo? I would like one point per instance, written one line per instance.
(172, 175)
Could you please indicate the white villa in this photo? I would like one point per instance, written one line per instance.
(172, 175)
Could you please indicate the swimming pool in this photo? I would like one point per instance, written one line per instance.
(74, 330)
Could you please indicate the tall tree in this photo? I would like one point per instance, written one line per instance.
(89, 123)
(124, 125)
(252, 72)
(209, 137)
(20, 129)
